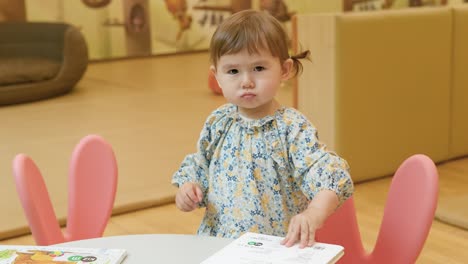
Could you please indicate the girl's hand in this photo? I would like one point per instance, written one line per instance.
(188, 197)
(303, 226)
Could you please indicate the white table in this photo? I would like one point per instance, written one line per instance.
(167, 249)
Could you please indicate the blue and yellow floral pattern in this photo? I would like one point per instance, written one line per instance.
(257, 174)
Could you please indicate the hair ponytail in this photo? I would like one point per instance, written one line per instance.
(297, 65)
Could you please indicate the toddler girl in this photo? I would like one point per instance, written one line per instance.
(259, 166)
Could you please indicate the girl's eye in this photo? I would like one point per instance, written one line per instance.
(259, 68)
(233, 71)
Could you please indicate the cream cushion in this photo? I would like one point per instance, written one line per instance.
(26, 70)
(378, 85)
(459, 117)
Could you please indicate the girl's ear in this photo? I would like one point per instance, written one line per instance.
(287, 69)
(213, 73)
(213, 69)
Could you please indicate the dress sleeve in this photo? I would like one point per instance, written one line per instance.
(316, 168)
(195, 166)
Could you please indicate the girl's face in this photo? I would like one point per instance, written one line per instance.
(251, 81)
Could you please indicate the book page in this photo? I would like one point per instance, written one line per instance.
(252, 248)
(65, 255)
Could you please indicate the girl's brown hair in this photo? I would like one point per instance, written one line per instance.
(253, 30)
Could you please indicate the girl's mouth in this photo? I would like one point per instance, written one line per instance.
(248, 95)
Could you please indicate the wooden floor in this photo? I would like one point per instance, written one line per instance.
(446, 244)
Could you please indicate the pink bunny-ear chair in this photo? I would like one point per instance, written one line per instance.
(407, 219)
(92, 186)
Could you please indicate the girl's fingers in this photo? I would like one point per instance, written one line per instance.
(180, 203)
(184, 203)
(299, 232)
(191, 197)
(194, 193)
(304, 234)
(293, 234)
(188, 197)
(198, 193)
(311, 238)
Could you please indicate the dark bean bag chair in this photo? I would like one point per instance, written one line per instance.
(39, 60)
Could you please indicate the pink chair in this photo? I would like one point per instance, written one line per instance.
(92, 186)
(407, 219)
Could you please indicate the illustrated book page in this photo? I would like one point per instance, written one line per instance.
(63, 255)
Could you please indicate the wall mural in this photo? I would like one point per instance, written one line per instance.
(128, 28)
(369, 5)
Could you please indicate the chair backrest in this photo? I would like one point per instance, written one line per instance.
(35, 200)
(407, 219)
(92, 186)
(409, 212)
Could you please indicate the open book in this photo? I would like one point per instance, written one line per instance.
(62, 255)
(255, 248)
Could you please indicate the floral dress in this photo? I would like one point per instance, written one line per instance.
(256, 175)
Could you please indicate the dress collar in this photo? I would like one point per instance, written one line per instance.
(254, 123)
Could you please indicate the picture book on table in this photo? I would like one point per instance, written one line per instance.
(61, 255)
(264, 249)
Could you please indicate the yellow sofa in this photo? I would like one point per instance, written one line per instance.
(385, 85)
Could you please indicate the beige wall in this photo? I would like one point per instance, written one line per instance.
(76, 13)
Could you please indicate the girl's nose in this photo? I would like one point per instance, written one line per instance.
(247, 82)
